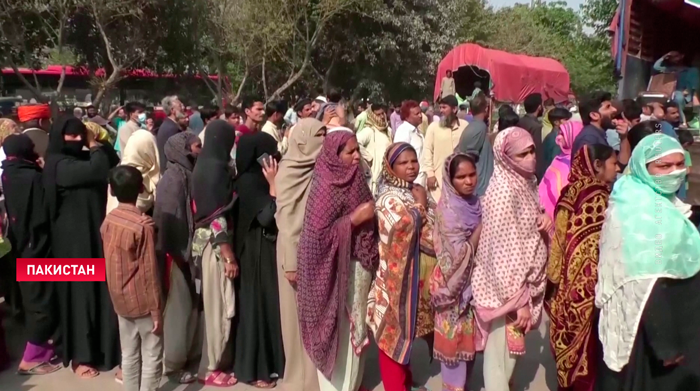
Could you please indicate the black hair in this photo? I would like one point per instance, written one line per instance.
(641, 130)
(125, 183)
(457, 160)
(505, 109)
(133, 107)
(334, 96)
(299, 107)
(477, 84)
(208, 113)
(379, 106)
(231, 110)
(479, 104)
(591, 104)
(671, 104)
(599, 152)
(558, 114)
(685, 136)
(248, 102)
(631, 109)
(532, 103)
(508, 120)
(275, 106)
(549, 102)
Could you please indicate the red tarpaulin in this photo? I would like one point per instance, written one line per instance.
(514, 76)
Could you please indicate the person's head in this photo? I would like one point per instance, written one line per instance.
(658, 161)
(505, 109)
(548, 104)
(254, 109)
(125, 183)
(403, 161)
(685, 137)
(379, 109)
(411, 112)
(303, 108)
(448, 111)
(508, 120)
(631, 112)
(91, 111)
(462, 172)
(8, 127)
(533, 104)
(515, 150)
(675, 57)
(150, 122)
(34, 116)
(349, 152)
(208, 114)
(479, 106)
(78, 112)
(183, 149)
(448, 73)
(136, 112)
(316, 106)
(172, 105)
(233, 115)
(19, 146)
(183, 120)
(430, 112)
(121, 113)
(275, 111)
(673, 113)
(558, 116)
(477, 84)
(641, 130)
(597, 109)
(603, 161)
(334, 96)
(463, 111)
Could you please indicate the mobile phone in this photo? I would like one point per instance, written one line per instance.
(263, 158)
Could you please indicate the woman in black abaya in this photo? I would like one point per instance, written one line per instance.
(29, 235)
(75, 181)
(259, 356)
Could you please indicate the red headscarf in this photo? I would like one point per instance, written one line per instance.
(32, 112)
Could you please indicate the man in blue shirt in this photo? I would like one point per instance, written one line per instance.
(597, 113)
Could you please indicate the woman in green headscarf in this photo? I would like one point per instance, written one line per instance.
(648, 279)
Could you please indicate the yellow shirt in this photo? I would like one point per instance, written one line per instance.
(272, 129)
(439, 144)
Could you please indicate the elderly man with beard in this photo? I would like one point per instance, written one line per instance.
(441, 139)
(597, 114)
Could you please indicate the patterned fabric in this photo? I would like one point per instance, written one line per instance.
(394, 300)
(643, 212)
(327, 245)
(511, 256)
(7, 128)
(202, 236)
(557, 175)
(456, 218)
(572, 272)
(375, 121)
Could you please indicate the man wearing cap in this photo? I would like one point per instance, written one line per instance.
(441, 139)
(35, 122)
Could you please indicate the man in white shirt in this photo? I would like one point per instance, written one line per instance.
(408, 132)
(275, 111)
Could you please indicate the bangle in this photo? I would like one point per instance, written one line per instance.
(229, 260)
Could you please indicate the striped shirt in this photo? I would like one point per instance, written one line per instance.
(132, 273)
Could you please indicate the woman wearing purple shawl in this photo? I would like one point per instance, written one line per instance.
(457, 230)
(336, 259)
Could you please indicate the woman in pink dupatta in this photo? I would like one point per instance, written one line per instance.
(557, 175)
(509, 277)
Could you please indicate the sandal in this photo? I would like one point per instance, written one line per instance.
(263, 384)
(85, 372)
(182, 377)
(43, 368)
(219, 379)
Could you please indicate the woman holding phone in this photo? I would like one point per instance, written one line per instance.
(259, 355)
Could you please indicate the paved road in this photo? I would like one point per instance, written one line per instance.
(534, 372)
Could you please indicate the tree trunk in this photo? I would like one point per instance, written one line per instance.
(234, 100)
(111, 81)
(41, 98)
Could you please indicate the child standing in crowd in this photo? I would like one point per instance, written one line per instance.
(133, 281)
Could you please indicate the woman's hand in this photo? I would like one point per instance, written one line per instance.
(40, 162)
(420, 195)
(229, 259)
(362, 214)
(544, 223)
(524, 321)
(270, 172)
(676, 361)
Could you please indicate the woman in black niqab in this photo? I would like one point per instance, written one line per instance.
(75, 181)
(259, 352)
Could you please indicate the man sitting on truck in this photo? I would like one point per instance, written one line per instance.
(687, 78)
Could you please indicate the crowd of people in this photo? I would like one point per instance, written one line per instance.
(267, 245)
